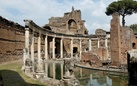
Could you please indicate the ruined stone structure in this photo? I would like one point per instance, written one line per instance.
(49, 42)
(122, 40)
(11, 38)
(70, 23)
(65, 37)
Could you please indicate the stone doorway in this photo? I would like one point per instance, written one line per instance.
(133, 45)
(75, 49)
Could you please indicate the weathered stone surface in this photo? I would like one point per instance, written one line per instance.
(100, 32)
(69, 78)
(11, 39)
(91, 58)
(122, 40)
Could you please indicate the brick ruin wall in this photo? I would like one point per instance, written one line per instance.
(11, 39)
(122, 39)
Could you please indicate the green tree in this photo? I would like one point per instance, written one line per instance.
(134, 27)
(123, 7)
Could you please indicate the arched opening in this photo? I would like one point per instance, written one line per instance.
(47, 27)
(75, 49)
(133, 45)
(72, 25)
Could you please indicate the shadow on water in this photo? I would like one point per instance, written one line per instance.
(12, 78)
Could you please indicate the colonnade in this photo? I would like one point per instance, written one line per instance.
(29, 45)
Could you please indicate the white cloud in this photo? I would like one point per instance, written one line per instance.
(93, 11)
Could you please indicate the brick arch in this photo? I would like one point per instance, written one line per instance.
(133, 45)
(47, 27)
(72, 25)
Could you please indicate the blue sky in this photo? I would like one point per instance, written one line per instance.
(93, 11)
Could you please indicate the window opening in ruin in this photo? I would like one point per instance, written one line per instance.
(72, 24)
(133, 45)
(75, 49)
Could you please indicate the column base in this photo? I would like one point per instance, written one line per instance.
(27, 70)
(39, 75)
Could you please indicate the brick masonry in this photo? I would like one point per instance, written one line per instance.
(122, 39)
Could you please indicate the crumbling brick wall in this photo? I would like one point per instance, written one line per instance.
(115, 40)
(122, 40)
(11, 37)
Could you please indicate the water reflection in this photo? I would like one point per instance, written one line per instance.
(88, 77)
(55, 70)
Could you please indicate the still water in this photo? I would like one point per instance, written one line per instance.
(89, 77)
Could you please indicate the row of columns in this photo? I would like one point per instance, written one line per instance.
(53, 46)
(27, 43)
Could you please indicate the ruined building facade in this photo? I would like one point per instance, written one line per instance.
(70, 23)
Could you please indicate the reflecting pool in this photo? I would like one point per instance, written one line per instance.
(89, 77)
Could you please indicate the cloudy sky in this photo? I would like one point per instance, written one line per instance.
(93, 11)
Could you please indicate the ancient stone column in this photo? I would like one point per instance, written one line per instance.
(61, 48)
(106, 42)
(71, 47)
(39, 66)
(26, 49)
(89, 44)
(46, 69)
(98, 42)
(80, 48)
(27, 42)
(53, 47)
(46, 47)
(32, 51)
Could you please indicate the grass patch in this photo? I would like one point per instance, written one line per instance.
(13, 76)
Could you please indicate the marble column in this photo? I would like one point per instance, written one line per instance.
(89, 44)
(98, 42)
(39, 67)
(80, 48)
(106, 42)
(46, 47)
(61, 48)
(46, 69)
(32, 51)
(27, 42)
(53, 48)
(106, 45)
(71, 47)
(26, 49)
